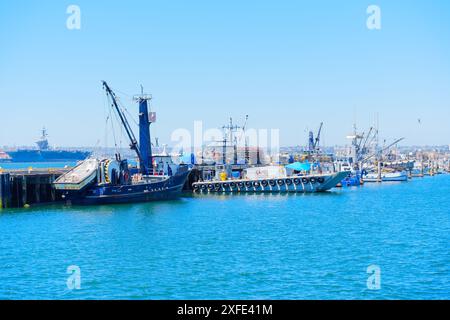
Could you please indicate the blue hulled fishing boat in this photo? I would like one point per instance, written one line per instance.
(108, 181)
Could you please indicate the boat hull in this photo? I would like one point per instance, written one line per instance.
(390, 177)
(165, 189)
(46, 156)
(305, 184)
(127, 198)
(352, 180)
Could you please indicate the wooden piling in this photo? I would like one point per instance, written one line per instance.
(52, 190)
(24, 191)
(37, 190)
(5, 190)
(379, 172)
(20, 188)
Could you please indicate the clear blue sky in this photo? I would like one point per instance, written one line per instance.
(287, 64)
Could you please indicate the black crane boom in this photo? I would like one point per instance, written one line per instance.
(133, 142)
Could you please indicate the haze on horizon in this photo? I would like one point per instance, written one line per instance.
(288, 65)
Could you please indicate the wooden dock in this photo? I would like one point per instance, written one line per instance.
(22, 188)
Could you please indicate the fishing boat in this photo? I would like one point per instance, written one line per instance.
(110, 181)
(386, 176)
(274, 179)
(353, 177)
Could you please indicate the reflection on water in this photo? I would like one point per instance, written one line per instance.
(262, 195)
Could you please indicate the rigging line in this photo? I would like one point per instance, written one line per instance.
(133, 141)
(110, 119)
(106, 132)
(131, 116)
(121, 133)
(125, 109)
(122, 93)
(108, 114)
(115, 138)
(243, 128)
(113, 132)
(120, 138)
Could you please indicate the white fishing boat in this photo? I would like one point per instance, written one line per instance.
(272, 179)
(386, 176)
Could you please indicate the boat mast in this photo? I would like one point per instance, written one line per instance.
(144, 132)
(230, 129)
(317, 140)
(133, 142)
(44, 133)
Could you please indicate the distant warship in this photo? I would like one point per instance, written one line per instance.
(43, 153)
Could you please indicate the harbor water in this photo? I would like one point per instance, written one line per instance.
(36, 165)
(249, 246)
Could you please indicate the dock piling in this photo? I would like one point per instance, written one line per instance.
(20, 188)
(5, 190)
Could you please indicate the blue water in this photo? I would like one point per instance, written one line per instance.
(237, 247)
(36, 165)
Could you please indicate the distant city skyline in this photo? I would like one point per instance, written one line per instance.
(287, 65)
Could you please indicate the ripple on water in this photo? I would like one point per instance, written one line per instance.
(229, 247)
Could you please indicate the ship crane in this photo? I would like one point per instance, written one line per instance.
(313, 143)
(105, 181)
(361, 147)
(364, 145)
(359, 144)
(384, 149)
(317, 140)
(133, 142)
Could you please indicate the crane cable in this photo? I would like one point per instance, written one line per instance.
(112, 127)
(123, 107)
